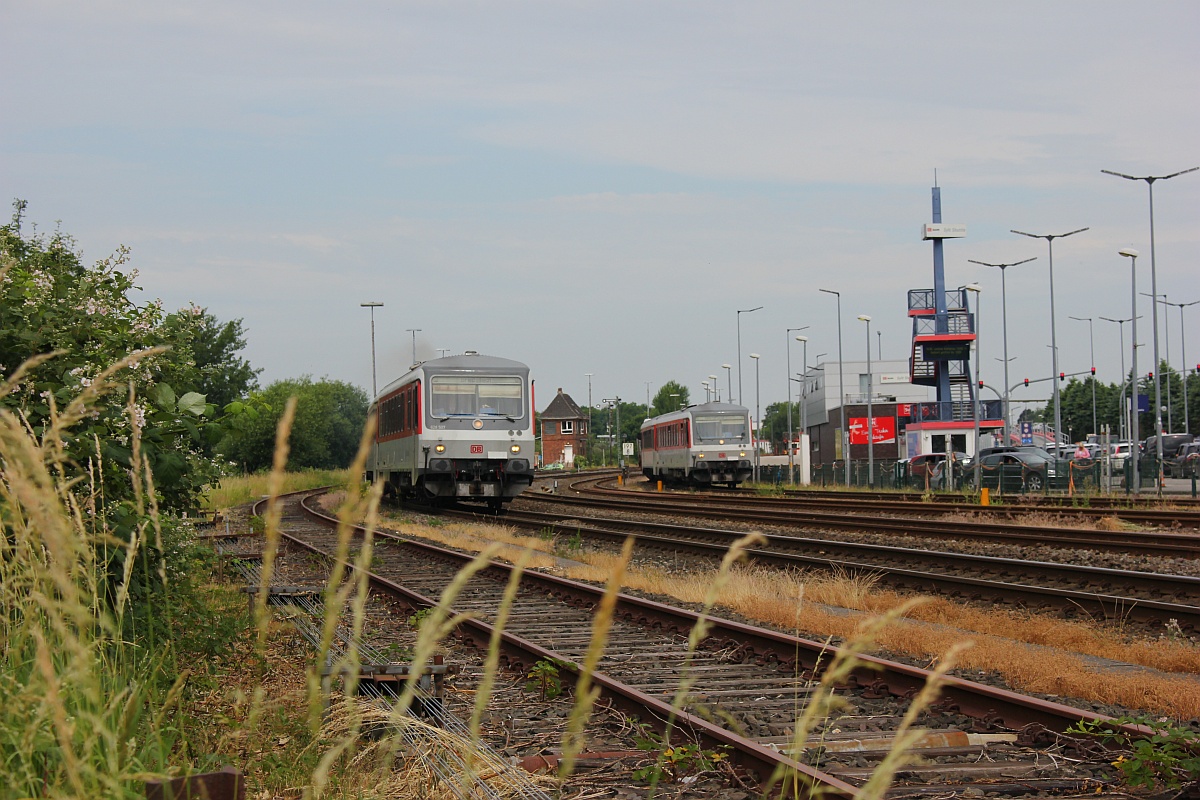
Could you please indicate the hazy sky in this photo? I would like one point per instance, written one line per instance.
(598, 187)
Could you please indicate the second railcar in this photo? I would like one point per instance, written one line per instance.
(456, 428)
(703, 445)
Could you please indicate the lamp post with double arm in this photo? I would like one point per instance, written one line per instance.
(791, 460)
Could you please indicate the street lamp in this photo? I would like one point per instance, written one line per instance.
(372, 306)
(1124, 426)
(676, 401)
(1004, 322)
(707, 391)
(1150, 179)
(758, 421)
(1053, 338)
(728, 380)
(974, 287)
(791, 461)
(870, 416)
(1156, 299)
(1183, 347)
(414, 332)
(1092, 347)
(739, 346)
(1134, 453)
(716, 387)
(841, 387)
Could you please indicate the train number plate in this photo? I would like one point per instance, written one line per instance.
(476, 449)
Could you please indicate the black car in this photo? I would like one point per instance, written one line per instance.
(1013, 470)
(1184, 463)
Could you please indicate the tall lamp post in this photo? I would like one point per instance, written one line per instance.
(870, 416)
(1004, 324)
(974, 287)
(1134, 454)
(716, 387)
(1124, 417)
(1156, 299)
(1053, 338)
(1150, 179)
(841, 388)
(1183, 374)
(739, 346)
(1092, 349)
(757, 420)
(414, 332)
(791, 460)
(707, 392)
(729, 381)
(372, 306)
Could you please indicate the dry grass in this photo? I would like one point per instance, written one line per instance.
(793, 601)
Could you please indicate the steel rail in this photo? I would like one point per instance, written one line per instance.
(1158, 543)
(1141, 609)
(994, 705)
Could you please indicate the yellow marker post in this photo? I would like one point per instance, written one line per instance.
(984, 498)
(620, 480)
(660, 486)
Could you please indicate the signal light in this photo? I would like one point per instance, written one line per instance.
(1027, 383)
(1093, 370)
(981, 384)
(1062, 376)
(1150, 375)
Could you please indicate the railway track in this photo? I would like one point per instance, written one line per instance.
(984, 739)
(1065, 589)
(589, 492)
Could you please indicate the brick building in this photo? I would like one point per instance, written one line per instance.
(564, 431)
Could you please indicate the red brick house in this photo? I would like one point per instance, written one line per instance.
(564, 429)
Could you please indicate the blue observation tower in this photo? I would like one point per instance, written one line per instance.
(943, 331)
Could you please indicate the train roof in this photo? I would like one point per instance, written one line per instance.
(469, 360)
(702, 408)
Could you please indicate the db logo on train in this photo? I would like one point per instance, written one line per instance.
(476, 449)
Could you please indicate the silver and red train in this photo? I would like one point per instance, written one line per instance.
(703, 445)
(455, 428)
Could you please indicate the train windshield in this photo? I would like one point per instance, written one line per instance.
(725, 428)
(476, 396)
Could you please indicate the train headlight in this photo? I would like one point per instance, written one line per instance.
(477, 424)
(440, 448)
(720, 441)
(516, 448)
(700, 455)
(742, 454)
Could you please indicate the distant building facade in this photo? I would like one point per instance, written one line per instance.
(564, 431)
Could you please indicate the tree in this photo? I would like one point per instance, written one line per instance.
(329, 421)
(671, 397)
(78, 322)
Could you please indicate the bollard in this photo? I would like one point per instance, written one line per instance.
(984, 498)
(1193, 486)
(620, 480)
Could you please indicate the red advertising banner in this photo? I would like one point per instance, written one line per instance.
(883, 430)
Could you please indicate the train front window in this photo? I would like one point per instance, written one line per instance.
(716, 429)
(476, 396)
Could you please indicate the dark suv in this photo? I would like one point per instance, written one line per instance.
(1184, 463)
(1171, 444)
(1013, 470)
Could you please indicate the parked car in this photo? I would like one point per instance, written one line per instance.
(1184, 463)
(1118, 454)
(1013, 470)
(1171, 444)
(930, 464)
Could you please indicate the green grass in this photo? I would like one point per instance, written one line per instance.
(238, 490)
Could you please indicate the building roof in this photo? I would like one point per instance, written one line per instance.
(563, 407)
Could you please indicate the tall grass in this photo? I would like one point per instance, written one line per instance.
(92, 700)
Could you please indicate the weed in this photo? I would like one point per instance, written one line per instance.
(547, 533)
(1168, 753)
(571, 545)
(257, 525)
(418, 618)
(544, 677)
(673, 761)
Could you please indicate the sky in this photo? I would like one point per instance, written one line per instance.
(599, 187)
